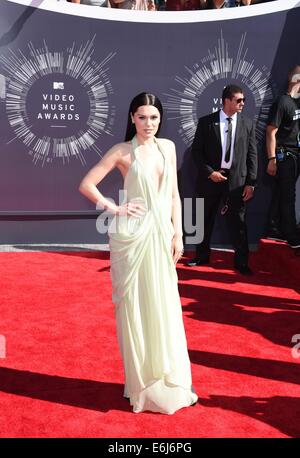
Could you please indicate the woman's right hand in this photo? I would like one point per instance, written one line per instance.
(135, 208)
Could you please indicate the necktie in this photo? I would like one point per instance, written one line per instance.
(228, 140)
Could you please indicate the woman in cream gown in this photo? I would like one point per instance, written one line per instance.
(145, 245)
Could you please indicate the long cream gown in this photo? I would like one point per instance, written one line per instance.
(145, 293)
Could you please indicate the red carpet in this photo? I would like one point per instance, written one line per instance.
(62, 375)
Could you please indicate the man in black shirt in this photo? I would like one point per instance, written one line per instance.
(283, 148)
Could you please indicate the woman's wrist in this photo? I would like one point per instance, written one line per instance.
(108, 207)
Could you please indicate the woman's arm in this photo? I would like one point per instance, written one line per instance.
(88, 186)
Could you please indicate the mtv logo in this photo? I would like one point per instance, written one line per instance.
(57, 85)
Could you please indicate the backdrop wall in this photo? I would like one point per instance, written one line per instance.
(68, 73)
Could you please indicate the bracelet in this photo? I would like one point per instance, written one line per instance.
(271, 158)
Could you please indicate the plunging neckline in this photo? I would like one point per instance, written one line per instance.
(135, 145)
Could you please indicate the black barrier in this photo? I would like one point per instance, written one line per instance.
(154, 447)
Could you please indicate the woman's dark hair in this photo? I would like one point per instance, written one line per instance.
(141, 99)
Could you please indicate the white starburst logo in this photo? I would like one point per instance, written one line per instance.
(200, 88)
(58, 102)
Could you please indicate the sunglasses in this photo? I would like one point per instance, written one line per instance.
(241, 99)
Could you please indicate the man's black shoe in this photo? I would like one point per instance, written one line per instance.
(197, 262)
(277, 235)
(294, 243)
(243, 269)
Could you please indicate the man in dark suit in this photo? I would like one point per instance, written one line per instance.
(224, 150)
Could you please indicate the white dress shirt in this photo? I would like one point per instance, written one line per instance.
(223, 131)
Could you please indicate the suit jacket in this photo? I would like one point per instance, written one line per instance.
(207, 153)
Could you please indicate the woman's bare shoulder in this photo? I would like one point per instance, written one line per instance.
(119, 150)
